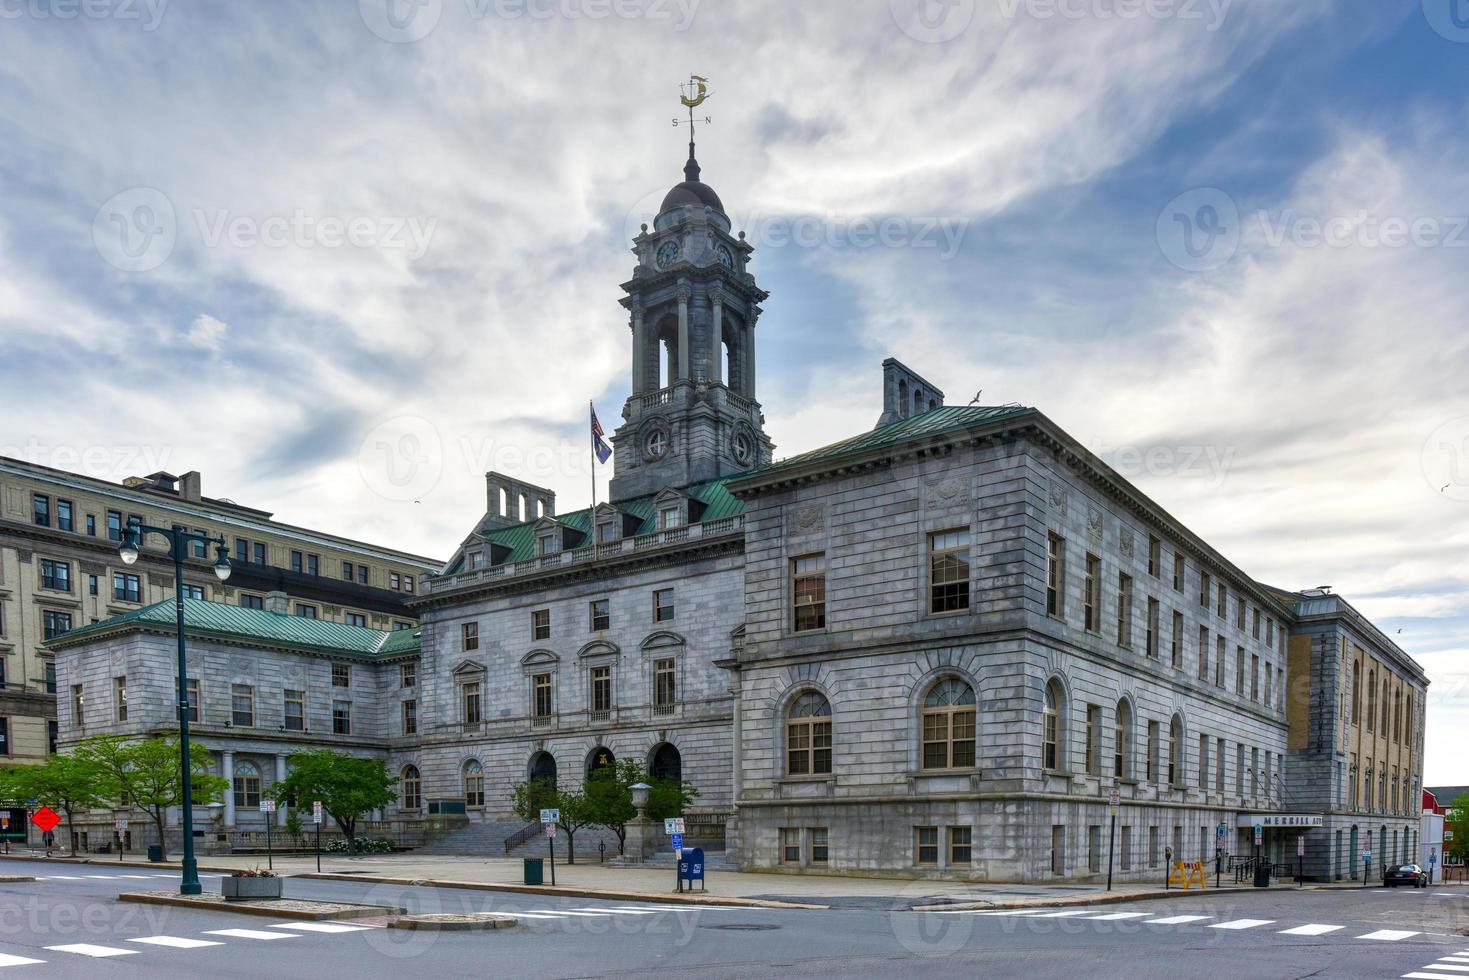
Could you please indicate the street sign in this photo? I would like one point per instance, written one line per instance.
(1259, 834)
(267, 806)
(550, 830)
(1113, 799)
(121, 825)
(1366, 856)
(678, 842)
(1300, 847)
(46, 819)
(550, 816)
(673, 825)
(316, 812)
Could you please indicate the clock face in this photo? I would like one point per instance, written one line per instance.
(726, 257)
(667, 253)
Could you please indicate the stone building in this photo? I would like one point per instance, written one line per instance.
(935, 648)
(59, 569)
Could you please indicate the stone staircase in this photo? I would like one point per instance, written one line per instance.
(487, 839)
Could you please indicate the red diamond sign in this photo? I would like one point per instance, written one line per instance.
(46, 819)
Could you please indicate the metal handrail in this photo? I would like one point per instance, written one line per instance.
(522, 835)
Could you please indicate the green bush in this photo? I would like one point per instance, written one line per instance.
(365, 845)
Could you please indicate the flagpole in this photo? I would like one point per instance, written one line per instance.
(592, 445)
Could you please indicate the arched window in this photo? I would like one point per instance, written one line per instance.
(1122, 741)
(474, 783)
(247, 784)
(412, 785)
(1356, 692)
(808, 736)
(1053, 729)
(917, 401)
(1385, 729)
(948, 726)
(1175, 751)
(1397, 716)
(600, 759)
(666, 763)
(1371, 699)
(903, 398)
(543, 767)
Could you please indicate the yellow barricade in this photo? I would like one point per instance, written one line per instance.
(1187, 874)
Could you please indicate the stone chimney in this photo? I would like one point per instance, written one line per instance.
(905, 393)
(509, 502)
(276, 602)
(189, 486)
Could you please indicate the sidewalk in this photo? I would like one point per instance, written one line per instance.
(767, 889)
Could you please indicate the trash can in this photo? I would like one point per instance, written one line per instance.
(1262, 875)
(155, 853)
(533, 871)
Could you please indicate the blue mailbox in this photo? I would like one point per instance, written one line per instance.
(691, 866)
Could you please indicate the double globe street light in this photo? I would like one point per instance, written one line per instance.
(179, 538)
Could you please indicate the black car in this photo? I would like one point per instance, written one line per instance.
(1405, 874)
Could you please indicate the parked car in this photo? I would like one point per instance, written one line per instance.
(1405, 874)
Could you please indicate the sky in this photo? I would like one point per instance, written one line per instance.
(344, 257)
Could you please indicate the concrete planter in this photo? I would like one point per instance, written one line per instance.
(243, 889)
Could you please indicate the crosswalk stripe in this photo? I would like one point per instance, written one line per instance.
(622, 911)
(174, 942)
(87, 949)
(1430, 976)
(564, 912)
(1314, 929)
(1456, 958)
(332, 927)
(1065, 914)
(250, 934)
(1242, 924)
(1117, 915)
(990, 912)
(7, 960)
(534, 915)
(1441, 965)
(64, 877)
(1176, 919)
(1388, 935)
(133, 876)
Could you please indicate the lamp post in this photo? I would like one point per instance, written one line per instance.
(178, 540)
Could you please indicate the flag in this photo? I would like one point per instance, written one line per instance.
(603, 451)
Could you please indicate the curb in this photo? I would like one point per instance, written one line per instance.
(454, 923)
(12, 879)
(1109, 899)
(244, 908)
(566, 892)
(169, 865)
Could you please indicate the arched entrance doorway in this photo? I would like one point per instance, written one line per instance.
(665, 763)
(1352, 855)
(599, 759)
(543, 766)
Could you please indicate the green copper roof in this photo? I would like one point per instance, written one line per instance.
(939, 420)
(221, 619)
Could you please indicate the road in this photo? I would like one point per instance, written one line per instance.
(69, 924)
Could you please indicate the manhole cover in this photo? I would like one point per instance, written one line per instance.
(744, 926)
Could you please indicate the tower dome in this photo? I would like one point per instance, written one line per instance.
(691, 190)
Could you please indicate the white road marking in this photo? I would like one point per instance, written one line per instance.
(1117, 915)
(64, 877)
(320, 927)
(249, 934)
(1441, 965)
(1062, 915)
(132, 876)
(1430, 976)
(87, 949)
(1313, 929)
(585, 915)
(7, 960)
(175, 942)
(1388, 935)
(622, 911)
(533, 915)
(1175, 919)
(1242, 924)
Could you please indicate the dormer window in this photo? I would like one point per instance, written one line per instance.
(546, 545)
(476, 560)
(606, 532)
(668, 517)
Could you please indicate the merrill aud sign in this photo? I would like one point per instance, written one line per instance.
(1298, 820)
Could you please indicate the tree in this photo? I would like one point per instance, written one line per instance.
(68, 783)
(1456, 819)
(148, 774)
(348, 787)
(535, 795)
(609, 797)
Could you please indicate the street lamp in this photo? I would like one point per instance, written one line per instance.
(179, 539)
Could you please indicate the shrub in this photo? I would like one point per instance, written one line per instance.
(364, 845)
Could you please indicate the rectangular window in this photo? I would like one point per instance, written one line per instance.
(348, 573)
(948, 571)
(1254, 772)
(92, 585)
(192, 697)
(664, 689)
(50, 681)
(194, 592)
(541, 696)
(92, 525)
(472, 705)
(1239, 671)
(926, 849)
(808, 593)
(295, 710)
(1175, 648)
(305, 610)
(120, 697)
(1055, 575)
(357, 619)
(1254, 677)
(341, 675)
(407, 583)
(1058, 849)
(469, 634)
(126, 587)
(1203, 762)
(41, 509)
(1239, 770)
(260, 553)
(1219, 651)
(790, 845)
(1223, 602)
(818, 838)
(601, 681)
(341, 717)
(1204, 589)
(1239, 612)
(1269, 686)
(668, 518)
(1155, 556)
(1094, 739)
(1091, 613)
(55, 575)
(663, 606)
(1203, 653)
(242, 706)
(1124, 610)
(961, 846)
(1179, 568)
(313, 564)
(53, 623)
(114, 525)
(1094, 848)
(78, 705)
(408, 675)
(248, 601)
(64, 515)
(1152, 637)
(1219, 768)
(200, 547)
(1153, 840)
(1255, 623)
(540, 624)
(410, 717)
(1154, 746)
(601, 615)
(298, 562)
(361, 574)
(242, 550)
(1125, 846)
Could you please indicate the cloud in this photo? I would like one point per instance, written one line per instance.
(206, 333)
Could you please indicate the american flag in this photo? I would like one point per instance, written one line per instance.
(603, 451)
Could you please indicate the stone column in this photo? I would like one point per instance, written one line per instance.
(684, 295)
(227, 770)
(749, 353)
(280, 776)
(639, 352)
(716, 338)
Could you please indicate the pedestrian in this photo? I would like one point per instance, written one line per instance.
(50, 841)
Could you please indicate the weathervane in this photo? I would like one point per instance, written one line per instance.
(695, 91)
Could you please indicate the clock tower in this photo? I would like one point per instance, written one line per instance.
(693, 414)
